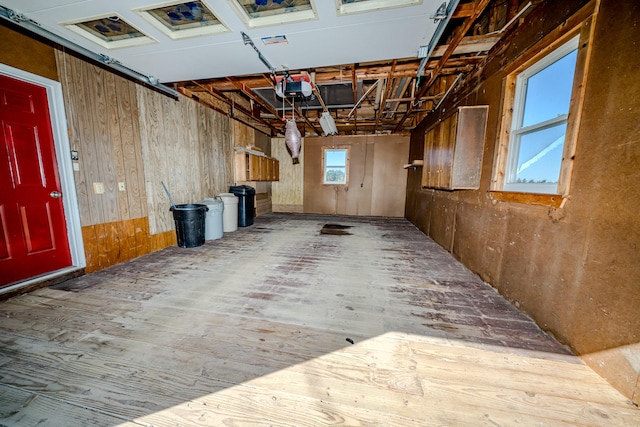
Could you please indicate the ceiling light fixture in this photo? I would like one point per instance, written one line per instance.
(328, 124)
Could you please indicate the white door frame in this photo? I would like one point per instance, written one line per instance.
(65, 171)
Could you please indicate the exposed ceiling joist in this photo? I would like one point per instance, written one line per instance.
(378, 96)
(255, 98)
(479, 7)
(198, 97)
(234, 106)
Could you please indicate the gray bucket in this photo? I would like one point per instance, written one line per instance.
(213, 222)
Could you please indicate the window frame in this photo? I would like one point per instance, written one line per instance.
(282, 16)
(147, 13)
(346, 166)
(546, 48)
(519, 106)
(78, 27)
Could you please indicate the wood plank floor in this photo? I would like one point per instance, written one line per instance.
(281, 324)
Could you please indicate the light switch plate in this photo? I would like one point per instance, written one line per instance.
(121, 186)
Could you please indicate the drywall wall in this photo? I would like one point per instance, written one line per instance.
(575, 269)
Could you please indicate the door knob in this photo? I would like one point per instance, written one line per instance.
(55, 194)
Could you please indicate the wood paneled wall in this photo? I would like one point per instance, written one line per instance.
(102, 116)
(185, 145)
(126, 133)
(242, 135)
(115, 242)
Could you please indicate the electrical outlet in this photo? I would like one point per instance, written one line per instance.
(98, 187)
(121, 186)
(76, 166)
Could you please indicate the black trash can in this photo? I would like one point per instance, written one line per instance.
(190, 221)
(246, 196)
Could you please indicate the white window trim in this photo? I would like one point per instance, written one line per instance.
(372, 5)
(324, 165)
(278, 19)
(145, 12)
(142, 40)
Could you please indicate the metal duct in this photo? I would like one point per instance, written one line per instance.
(379, 89)
(30, 25)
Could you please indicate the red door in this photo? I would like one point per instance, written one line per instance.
(33, 232)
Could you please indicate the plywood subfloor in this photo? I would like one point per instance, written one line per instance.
(278, 324)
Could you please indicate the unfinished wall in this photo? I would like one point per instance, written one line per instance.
(575, 270)
(289, 191)
(377, 179)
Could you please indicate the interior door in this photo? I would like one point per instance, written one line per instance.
(33, 232)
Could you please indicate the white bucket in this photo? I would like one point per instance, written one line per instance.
(230, 214)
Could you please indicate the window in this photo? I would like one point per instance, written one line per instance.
(356, 6)
(539, 122)
(335, 161)
(184, 19)
(541, 112)
(260, 13)
(110, 32)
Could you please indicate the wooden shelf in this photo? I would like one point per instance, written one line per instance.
(255, 167)
(453, 150)
(414, 164)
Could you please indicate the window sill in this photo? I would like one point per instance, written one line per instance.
(554, 200)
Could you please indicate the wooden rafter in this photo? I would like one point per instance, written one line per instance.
(252, 95)
(469, 45)
(402, 91)
(354, 89)
(479, 7)
(464, 10)
(195, 96)
(403, 103)
(386, 92)
(213, 91)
